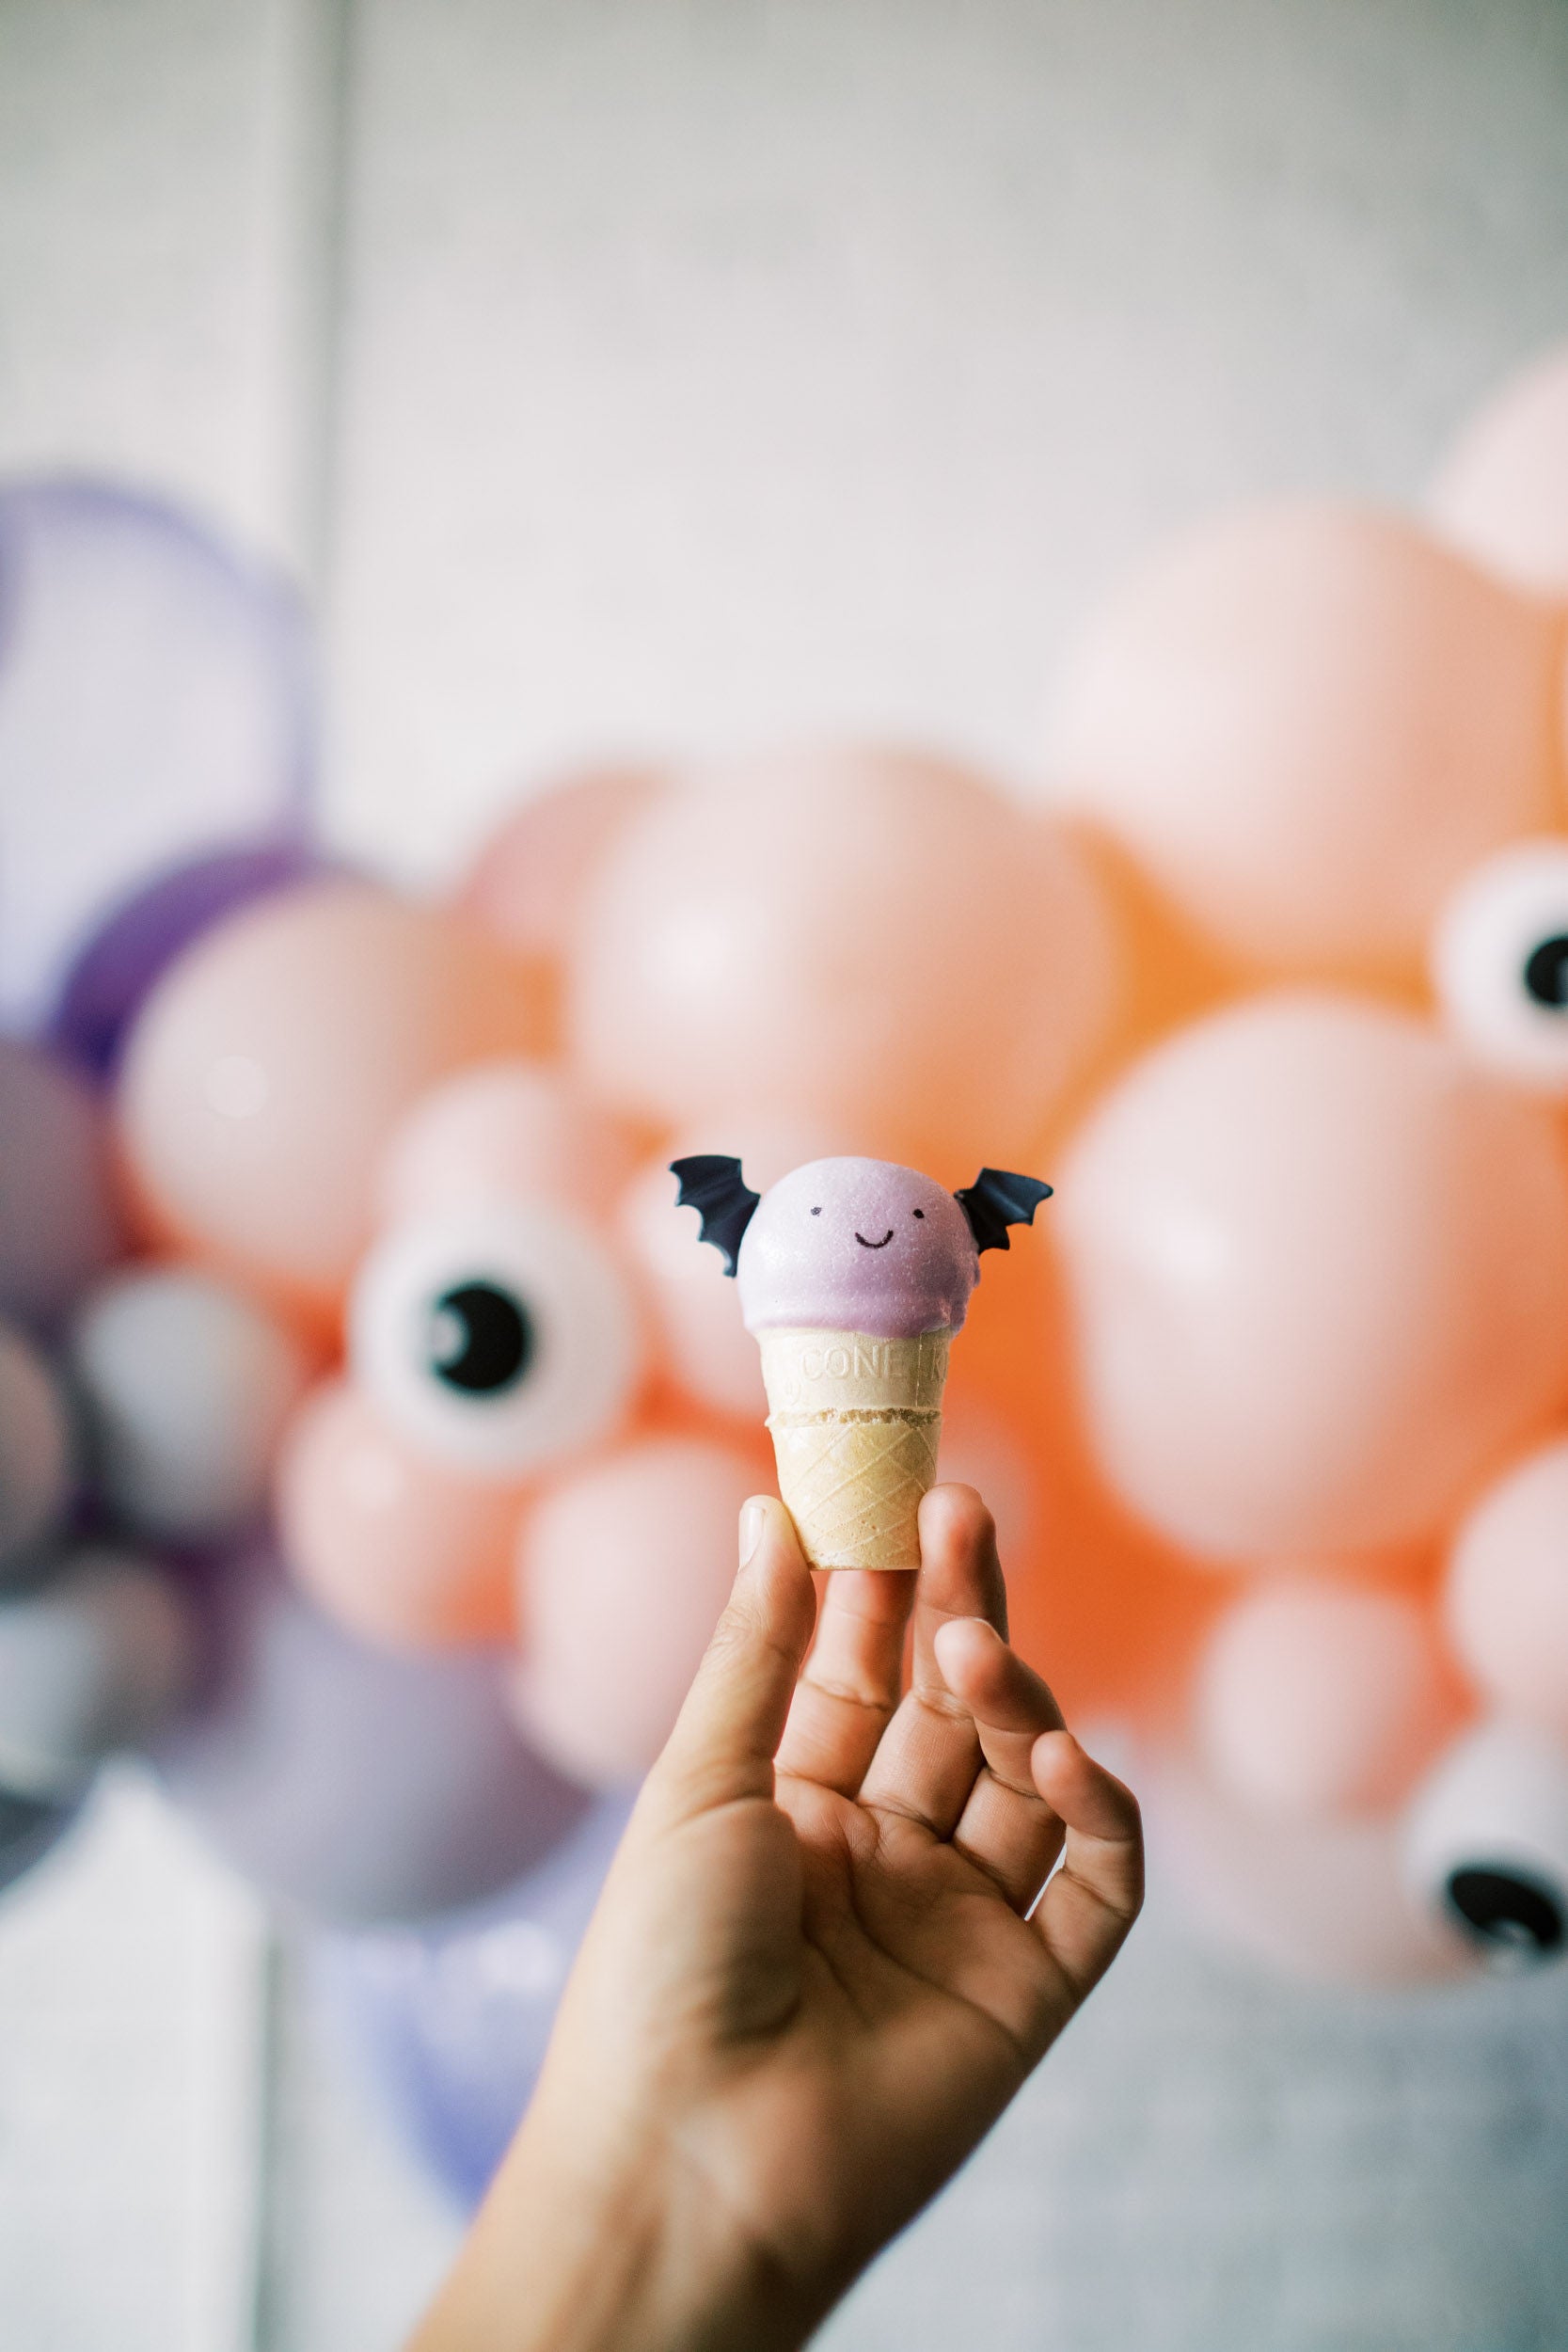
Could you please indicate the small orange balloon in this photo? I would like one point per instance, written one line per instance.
(1502, 492)
(401, 1550)
(498, 1129)
(272, 1062)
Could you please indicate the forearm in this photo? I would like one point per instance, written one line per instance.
(576, 2255)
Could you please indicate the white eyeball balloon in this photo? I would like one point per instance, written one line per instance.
(37, 1451)
(1500, 964)
(186, 1384)
(499, 1337)
(93, 1660)
(1486, 1842)
(1507, 1591)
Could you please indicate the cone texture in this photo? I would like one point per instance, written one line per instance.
(856, 1422)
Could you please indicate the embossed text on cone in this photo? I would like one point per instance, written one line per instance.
(855, 1421)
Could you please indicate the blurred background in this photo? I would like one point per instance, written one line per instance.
(642, 379)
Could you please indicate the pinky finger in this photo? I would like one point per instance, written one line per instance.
(1088, 1906)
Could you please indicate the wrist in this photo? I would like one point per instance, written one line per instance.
(605, 2243)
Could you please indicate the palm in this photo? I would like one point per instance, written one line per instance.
(848, 1989)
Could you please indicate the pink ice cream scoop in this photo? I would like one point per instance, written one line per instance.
(858, 1245)
(854, 1275)
(854, 1245)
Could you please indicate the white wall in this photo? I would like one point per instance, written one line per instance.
(643, 375)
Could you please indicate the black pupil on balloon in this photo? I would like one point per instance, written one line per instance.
(1508, 1910)
(1546, 972)
(481, 1338)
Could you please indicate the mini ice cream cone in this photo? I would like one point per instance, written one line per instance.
(856, 1421)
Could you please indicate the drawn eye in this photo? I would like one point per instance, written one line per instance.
(816, 1212)
(919, 1212)
(1500, 964)
(1486, 1842)
(499, 1337)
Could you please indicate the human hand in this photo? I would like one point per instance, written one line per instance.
(814, 1979)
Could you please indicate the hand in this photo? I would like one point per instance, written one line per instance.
(816, 1974)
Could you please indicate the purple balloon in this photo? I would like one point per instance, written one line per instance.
(357, 1784)
(156, 700)
(59, 1225)
(452, 2020)
(123, 960)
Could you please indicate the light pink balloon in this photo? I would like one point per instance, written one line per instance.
(706, 1348)
(873, 940)
(272, 1062)
(500, 1129)
(527, 883)
(1320, 1274)
(1326, 1901)
(623, 1571)
(1507, 1602)
(1316, 1698)
(403, 1551)
(1501, 494)
(1304, 722)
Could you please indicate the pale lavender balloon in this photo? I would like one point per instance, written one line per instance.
(59, 1222)
(452, 2020)
(354, 1783)
(27, 1831)
(103, 990)
(157, 699)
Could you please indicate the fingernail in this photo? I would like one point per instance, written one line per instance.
(752, 1518)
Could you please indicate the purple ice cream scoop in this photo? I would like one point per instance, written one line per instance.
(857, 1246)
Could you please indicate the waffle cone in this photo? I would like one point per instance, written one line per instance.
(855, 1422)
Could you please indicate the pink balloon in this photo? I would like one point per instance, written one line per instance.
(1320, 1899)
(1506, 1600)
(623, 1571)
(400, 1548)
(1317, 1698)
(501, 1128)
(1304, 723)
(875, 941)
(527, 884)
(272, 1062)
(1319, 1273)
(1502, 492)
(706, 1348)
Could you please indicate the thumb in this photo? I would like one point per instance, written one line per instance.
(728, 1731)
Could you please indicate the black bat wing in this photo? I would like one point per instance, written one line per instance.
(996, 1199)
(715, 1188)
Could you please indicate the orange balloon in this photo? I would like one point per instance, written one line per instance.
(272, 1062)
(870, 940)
(498, 1129)
(1507, 1599)
(1319, 1276)
(1304, 722)
(623, 1567)
(1317, 1697)
(402, 1550)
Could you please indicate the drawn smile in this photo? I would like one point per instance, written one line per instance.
(874, 1245)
